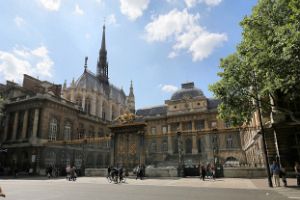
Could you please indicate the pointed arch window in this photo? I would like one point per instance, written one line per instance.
(87, 106)
(53, 129)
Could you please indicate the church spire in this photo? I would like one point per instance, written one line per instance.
(102, 65)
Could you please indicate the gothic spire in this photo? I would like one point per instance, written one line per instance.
(103, 44)
(131, 89)
(102, 65)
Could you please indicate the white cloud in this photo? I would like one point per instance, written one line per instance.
(111, 20)
(168, 25)
(19, 21)
(51, 5)
(168, 88)
(21, 61)
(78, 10)
(190, 3)
(183, 29)
(133, 8)
(211, 2)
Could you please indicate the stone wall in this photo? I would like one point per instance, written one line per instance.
(245, 172)
(95, 172)
(161, 172)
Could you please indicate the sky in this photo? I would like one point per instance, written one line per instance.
(158, 44)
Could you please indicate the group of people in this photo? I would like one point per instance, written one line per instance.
(278, 171)
(115, 174)
(207, 171)
(71, 173)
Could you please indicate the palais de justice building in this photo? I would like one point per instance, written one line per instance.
(92, 124)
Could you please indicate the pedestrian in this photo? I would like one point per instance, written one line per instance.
(213, 172)
(297, 171)
(108, 171)
(275, 170)
(138, 172)
(283, 175)
(1, 193)
(203, 172)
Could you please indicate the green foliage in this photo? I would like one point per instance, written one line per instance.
(267, 60)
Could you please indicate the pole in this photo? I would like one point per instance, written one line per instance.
(258, 107)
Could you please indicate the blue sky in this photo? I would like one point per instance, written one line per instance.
(158, 44)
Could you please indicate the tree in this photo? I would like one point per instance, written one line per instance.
(266, 63)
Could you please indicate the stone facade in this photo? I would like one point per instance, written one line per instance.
(184, 131)
(46, 124)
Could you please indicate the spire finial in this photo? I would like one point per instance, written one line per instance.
(85, 63)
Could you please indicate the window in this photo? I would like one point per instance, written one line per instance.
(153, 130)
(153, 147)
(164, 130)
(53, 129)
(79, 102)
(80, 131)
(174, 127)
(213, 124)
(229, 142)
(91, 132)
(87, 106)
(164, 146)
(188, 145)
(199, 145)
(187, 126)
(199, 124)
(67, 131)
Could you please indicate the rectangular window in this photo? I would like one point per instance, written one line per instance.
(186, 126)
(174, 127)
(213, 124)
(153, 130)
(164, 130)
(199, 124)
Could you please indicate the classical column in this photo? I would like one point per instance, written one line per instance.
(194, 137)
(170, 149)
(35, 123)
(15, 128)
(6, 127)
(25, 123)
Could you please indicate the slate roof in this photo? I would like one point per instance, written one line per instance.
(153, 111)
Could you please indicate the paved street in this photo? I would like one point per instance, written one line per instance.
(175, 189)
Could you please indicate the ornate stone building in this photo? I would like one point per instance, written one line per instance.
(95, 95)
(47, 125)
(184, 130)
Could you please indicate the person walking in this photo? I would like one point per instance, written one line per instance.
(275, 170)
(297, 171)
(1, 193)
(203, 172)
(283, 175)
